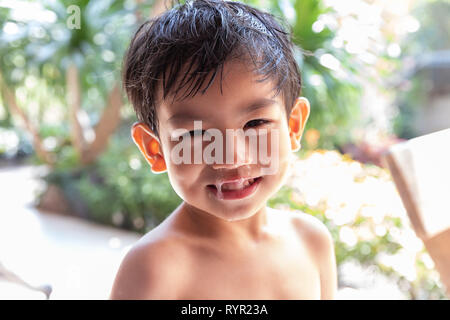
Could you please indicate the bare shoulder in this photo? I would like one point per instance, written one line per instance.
(310, 228)
(152, 269)
(317, 238)
(311, 232)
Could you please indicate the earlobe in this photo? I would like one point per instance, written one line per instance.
(149, 145)
(297, 121)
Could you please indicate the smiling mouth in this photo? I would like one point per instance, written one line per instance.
(236, 189)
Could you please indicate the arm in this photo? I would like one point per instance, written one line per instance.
(321, 246)
(327, 265)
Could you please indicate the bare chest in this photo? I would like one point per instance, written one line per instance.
(282, 272)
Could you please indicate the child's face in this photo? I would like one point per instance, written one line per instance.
(197, 183)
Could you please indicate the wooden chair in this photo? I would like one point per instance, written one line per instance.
(420, 168)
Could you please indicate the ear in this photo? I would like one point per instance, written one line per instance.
(297, 121)
(149, 145)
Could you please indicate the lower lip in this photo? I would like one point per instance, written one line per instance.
(237, 194)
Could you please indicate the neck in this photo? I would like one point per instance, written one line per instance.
(246, 231)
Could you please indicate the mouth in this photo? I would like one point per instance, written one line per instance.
(238, 189)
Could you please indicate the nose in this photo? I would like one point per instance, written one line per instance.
(236, 148)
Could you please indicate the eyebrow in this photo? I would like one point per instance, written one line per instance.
(183, 116)
(259, 104)
(255, 105)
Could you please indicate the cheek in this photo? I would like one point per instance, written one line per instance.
(280, 168)
(285, 145)
(285, 151)
(183, 177)
(279, 145)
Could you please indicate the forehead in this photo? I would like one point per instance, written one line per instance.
(239, 89)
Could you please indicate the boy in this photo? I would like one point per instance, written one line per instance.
(222, 242)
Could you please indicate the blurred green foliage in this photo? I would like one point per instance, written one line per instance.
(334, 94)
(410, 99)
(434, 31)
(414, 87)
(44, 48)
(37, 47)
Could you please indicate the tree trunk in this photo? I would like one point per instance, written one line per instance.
(74, 103)
(108, 123)
(14, 108)
(110, 118)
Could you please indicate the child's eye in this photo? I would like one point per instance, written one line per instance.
(256, 122)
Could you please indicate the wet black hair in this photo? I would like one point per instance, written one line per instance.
(189, 43)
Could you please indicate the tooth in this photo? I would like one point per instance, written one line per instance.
(233, 185)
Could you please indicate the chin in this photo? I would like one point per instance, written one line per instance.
(230, 214)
